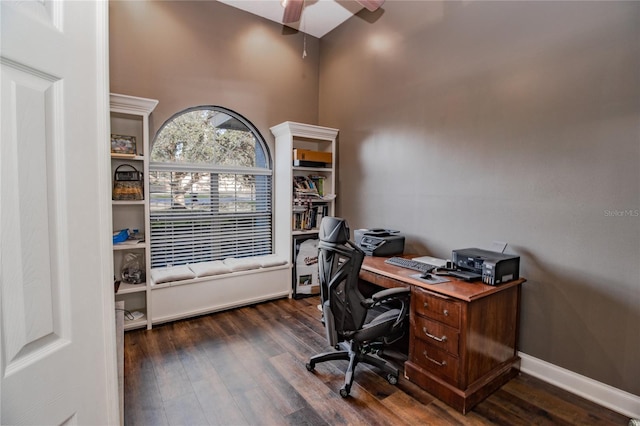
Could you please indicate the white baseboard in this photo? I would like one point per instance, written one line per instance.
(614, 399)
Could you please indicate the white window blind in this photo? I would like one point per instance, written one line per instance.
(215, 207)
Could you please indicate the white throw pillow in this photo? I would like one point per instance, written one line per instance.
(269, 260)
(205, 269)
(171, 273)
(242, 264)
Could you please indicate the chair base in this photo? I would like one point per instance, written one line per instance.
(355, 354)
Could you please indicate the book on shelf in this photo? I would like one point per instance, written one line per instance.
(309, 218)
(318, 181)
(304, 187)
(309, 186)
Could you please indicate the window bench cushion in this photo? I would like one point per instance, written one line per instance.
(216, 267)
(241, 264)
(205, 269)
(171, 273)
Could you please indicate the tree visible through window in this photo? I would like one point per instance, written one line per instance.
(210, 181)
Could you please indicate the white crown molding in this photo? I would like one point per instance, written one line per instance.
(614, 399)
(291, 128)
(132, 104)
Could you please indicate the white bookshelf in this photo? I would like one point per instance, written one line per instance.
(289, 136)
(130, 117)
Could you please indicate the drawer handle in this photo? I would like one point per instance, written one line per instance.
(441, 364)
(438, 339)
(445, 311)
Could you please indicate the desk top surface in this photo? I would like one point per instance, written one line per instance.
(463, 290)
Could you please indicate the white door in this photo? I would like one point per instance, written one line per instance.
(57, 333)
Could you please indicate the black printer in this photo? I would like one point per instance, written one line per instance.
(495, 268)
(379, 242)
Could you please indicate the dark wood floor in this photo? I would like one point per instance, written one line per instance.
(247, 367)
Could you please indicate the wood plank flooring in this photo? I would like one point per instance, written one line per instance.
(247, 367)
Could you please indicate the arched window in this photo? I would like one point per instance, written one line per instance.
(210, 181)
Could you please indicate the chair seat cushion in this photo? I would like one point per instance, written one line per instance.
(390, 315)
(380, 326)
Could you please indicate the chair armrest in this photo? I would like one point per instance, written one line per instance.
(390, 292)
(387, 294)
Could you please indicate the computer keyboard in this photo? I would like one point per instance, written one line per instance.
(410, 264)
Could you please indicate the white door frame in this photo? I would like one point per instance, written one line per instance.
(32, 390)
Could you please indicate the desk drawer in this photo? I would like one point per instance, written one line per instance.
(436, 361)
(437, 334)
(439, 308)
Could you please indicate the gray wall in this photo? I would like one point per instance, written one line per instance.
(465, 123)
(460, 124)
(192, 53)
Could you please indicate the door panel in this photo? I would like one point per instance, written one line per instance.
(57, 343)
(31, 321)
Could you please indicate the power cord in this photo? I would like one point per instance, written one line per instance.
(127, 314)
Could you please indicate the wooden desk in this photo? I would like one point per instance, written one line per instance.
(463, 336)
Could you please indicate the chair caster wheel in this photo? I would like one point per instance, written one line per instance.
(309, 366)
(344, 391)
(393, 380)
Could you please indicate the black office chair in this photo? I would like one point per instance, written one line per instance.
(358, 327)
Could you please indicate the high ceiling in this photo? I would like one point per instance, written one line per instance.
(318, 16)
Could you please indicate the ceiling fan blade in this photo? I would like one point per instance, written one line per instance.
(371, 5)
(292, 11)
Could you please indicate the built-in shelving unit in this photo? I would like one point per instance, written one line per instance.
(130, 117)
(299, 213)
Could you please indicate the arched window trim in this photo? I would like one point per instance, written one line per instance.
(227, 111)
(209, 232)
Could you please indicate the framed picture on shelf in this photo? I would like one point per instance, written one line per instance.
(121, 144)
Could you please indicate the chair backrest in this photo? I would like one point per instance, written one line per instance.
(339, 262)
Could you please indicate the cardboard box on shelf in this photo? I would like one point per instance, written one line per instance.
(312, 156)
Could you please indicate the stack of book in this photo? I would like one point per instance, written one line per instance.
(309, 203)
(311, 186)
(304, 187)
(308, 217)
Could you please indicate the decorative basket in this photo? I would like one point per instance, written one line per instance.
(128, 184)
